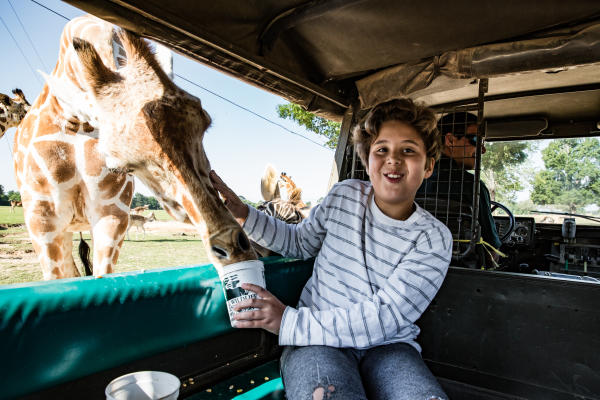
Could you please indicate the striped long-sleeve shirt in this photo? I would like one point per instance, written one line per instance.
(369, 285)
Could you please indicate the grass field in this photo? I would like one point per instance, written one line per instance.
(18, 262)
(6, 217)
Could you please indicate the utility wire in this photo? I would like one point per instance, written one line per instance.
(250, 111)
(21, 50)
(51, 10)
(28, 37)
(9, 148)
(219, 96)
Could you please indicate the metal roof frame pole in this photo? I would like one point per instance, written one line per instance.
(475, 226)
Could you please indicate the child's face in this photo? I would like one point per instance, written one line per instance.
(397, 166)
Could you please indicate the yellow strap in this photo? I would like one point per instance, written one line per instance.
(486, 247)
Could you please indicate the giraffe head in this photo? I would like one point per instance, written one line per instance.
(153, 129)
(12, 111)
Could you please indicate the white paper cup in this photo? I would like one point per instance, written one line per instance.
(144, 385)
(233, 275)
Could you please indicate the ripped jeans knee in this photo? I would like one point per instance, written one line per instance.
(323, 392)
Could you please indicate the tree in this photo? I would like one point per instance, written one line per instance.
(13, 195)
(572, 175)
(141, 200)
(313, 123)
(246, 201)
(500, 169)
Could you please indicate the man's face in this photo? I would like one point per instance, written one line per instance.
(462, 149)
(398, 164)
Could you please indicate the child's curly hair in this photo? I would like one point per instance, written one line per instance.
(417, 115)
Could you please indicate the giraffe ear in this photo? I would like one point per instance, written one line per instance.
(269, 187)
(96, 73)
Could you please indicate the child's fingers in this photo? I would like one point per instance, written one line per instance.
(247, 324)
(249, 303)
(252, 315)
(262, 292)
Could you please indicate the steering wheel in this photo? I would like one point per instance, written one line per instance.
(511, 219)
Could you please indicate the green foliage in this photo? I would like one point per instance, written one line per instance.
(572, 175)
(502, 169)
(141, 200)
(246, 201)
(313, 123)
(13, 195)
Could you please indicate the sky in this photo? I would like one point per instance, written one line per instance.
(239, 144)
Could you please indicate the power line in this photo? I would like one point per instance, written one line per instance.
(21, 50)
(250, 111)
(9, 149)
(49, 9)
(29, 38)
(219, 96)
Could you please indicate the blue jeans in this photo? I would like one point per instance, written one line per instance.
(395, 371)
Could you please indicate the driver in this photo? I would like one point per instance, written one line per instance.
(451, 176)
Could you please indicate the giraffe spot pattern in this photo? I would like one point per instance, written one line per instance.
(120, 217)
(36, 178)
(190, 208)
(41, 216)
(127, 193)
(59, 158)
(55, 254)
(94, 161)
(111, 184)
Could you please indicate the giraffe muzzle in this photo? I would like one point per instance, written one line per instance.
(243, 246)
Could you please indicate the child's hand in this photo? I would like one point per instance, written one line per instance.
(269, 313)
(232, 201)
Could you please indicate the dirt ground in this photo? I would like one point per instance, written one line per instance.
(19, 263)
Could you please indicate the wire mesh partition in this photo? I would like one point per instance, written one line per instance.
(452, 193)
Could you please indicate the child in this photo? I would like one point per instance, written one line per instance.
(380, 260)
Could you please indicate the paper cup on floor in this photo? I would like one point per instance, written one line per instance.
(233, 275)
(144, 385)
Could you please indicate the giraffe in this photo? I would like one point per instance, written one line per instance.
(107, 111)
(12, 111)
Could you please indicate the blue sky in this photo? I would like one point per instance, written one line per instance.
(238, 145)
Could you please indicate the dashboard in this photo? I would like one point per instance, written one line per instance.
(522, 235)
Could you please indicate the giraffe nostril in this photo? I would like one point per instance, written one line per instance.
(243, 241)
(219, 252)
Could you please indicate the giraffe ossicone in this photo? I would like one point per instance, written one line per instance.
(94, 124)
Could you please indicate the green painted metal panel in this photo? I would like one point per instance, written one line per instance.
(54, 332)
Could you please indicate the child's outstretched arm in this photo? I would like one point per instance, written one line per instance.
(292, 240)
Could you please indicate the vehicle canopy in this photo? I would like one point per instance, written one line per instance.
(328, 56)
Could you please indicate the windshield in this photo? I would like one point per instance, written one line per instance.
(553, 177)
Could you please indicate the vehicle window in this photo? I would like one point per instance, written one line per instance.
(545, 179)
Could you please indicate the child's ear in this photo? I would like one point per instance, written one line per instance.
(429, 164)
